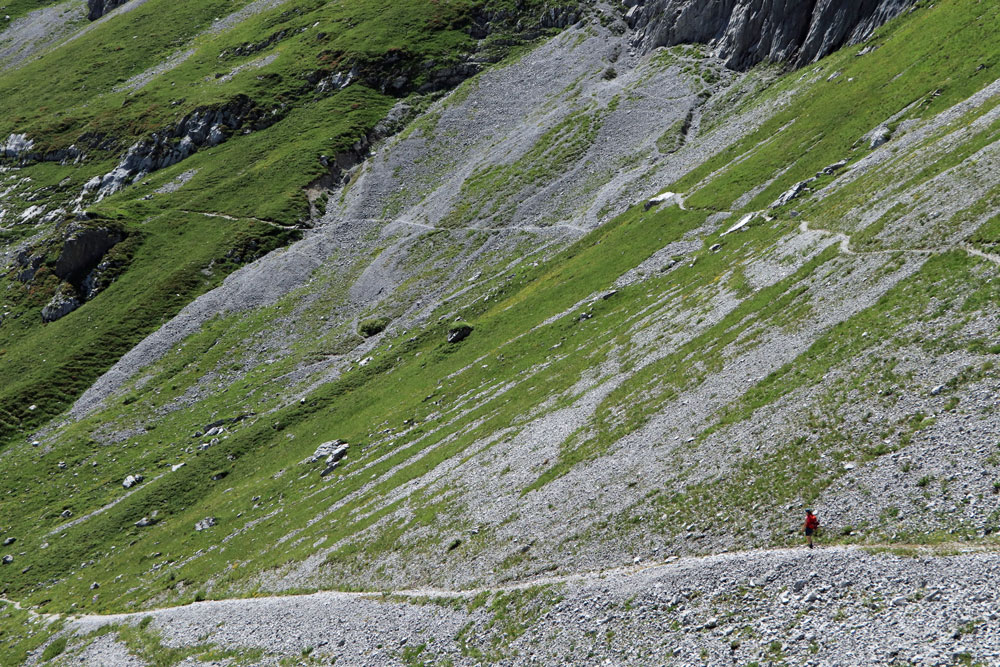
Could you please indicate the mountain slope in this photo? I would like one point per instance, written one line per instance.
(536, 367)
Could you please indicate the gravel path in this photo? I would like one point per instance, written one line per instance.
(827, 606)
(845, 246)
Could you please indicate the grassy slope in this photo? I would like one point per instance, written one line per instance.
(402, 384)
(260, 175)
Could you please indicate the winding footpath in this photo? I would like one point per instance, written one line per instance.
(837, 605)
(589, 576)
(844, 240)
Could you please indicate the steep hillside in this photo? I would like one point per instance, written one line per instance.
(450, 296)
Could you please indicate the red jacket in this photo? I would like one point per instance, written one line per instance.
(812, 522)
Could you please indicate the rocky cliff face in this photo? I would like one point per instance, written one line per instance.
(98, 8)
(201, 128)
(746, 32)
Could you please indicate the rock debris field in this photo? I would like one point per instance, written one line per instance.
(823, 607)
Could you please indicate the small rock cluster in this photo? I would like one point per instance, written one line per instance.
(132, 480)
(331, 452)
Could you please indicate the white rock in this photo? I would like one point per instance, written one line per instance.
(739, 226)
(132, 480)
(666, 197)
(205, 523)
(880, 135)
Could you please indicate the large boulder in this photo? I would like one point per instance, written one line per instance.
(879, 136)
(331, 452)
(459, 332)
(61, 305)
(131, 481)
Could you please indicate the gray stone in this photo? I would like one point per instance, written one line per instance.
(881, 135)
(332, 451)
(459, 333)
(9, 541)
(7, 560)
(132, 480)
(16, 146)
(203, 127)
(793, 192)
(205, 523)
(59, 306)
(834, 168)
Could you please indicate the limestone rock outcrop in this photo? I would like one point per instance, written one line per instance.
(98, 8)
(200, 129)
(747, 32)
(61, 305)
(82, 250)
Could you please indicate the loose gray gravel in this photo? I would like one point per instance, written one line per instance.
(30, 34)
(824, 607)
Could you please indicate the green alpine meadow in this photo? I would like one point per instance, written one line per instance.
(514, 332)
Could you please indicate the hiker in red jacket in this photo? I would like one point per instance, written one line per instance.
(810, 527)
